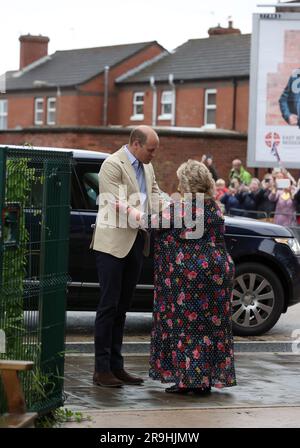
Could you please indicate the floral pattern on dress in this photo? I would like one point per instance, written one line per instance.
(191, 338)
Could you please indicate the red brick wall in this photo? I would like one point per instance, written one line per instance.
(190, 99)
(16, 105)
(190, 106)
(115, 72)
(242, 106)
(225, 100)
(124, 102)
(67, 110)
(175, 147)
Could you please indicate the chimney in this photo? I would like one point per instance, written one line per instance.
(291, 9)
(32, 48)
(219, 30)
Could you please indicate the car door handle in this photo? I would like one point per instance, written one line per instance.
(93, 226)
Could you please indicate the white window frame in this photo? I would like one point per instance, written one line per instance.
(38, 101)
(163, 101)
(137, 116)
(208, 107)
(3, 114)
(51, 110)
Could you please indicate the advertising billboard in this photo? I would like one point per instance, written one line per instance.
(274, 116)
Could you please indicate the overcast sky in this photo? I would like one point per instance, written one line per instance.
(93, 23)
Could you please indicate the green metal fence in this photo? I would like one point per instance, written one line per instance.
(34, 243)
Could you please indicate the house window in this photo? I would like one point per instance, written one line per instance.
(51, 111)
(166, 105)
(3, 114)
(39, 111)
(210, 108)
(138, 106)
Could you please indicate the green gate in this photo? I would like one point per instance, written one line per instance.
(34, 245)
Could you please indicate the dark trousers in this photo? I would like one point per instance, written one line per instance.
(118, 278)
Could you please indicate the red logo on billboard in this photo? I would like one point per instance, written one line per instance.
(272, 138)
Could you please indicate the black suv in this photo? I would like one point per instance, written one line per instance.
(266, 256)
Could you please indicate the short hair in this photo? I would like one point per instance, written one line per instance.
(220, 182)
(137, 134)
(254, 179)
(195, 177)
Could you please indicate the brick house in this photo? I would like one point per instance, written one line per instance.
(72, 87)
(204, 83)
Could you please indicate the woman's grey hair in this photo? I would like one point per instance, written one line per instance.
(194, 177)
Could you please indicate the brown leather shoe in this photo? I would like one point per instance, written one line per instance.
(127, 378)
(106, 379)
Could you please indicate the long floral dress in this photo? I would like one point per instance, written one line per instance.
(191, 339)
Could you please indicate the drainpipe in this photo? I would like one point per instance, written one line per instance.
(58, 99)
(154, 102)
(105, 101)
(234, 104)
(172, 84)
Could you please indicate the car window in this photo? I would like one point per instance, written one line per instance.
(87, 176)
(91, 189)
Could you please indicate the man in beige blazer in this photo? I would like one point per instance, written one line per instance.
(126, 176)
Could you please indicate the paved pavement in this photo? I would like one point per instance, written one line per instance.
(267, 395)
(82, 323)
(276, 417)
(80, 327)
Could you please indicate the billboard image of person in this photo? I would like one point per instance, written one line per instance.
(274, 118)
(289, 101)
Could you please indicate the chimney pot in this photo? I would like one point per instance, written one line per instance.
(219, 30)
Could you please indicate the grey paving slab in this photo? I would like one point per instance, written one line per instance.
(264, 380)
(276, 417)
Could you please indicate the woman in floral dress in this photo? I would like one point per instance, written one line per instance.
(191, 339)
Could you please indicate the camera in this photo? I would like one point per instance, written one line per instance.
(281, 184)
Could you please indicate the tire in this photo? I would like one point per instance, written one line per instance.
(258, 299)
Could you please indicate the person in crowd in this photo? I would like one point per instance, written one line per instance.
(208, 162)
(283, 173)
(297, 202)
(285, 212)
(247, 197)
(221, 189)
(263, 203)
(191, 337)
(239, 172)
(119, 252)
(230, 199)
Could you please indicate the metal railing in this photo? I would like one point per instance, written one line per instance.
(262, 215)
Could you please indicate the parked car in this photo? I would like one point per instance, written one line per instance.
(266, 256)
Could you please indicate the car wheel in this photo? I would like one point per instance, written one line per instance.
(257, 301)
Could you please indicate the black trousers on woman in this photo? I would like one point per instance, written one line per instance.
(118, 278)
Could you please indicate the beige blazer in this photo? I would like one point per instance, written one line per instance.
(117, 177)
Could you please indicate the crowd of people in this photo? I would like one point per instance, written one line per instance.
(276, 197)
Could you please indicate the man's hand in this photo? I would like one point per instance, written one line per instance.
(120, 206)
(293, 120)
